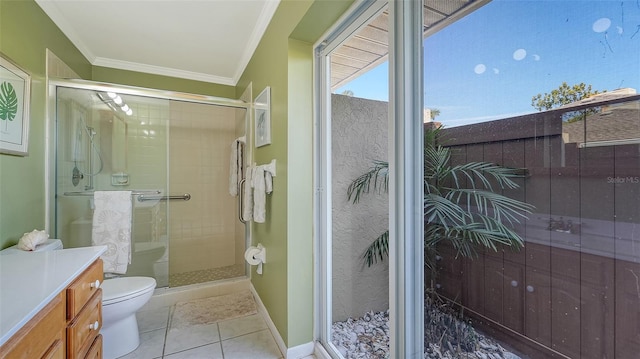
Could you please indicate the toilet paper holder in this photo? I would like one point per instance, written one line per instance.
(256, 256)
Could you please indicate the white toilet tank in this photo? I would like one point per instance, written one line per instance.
(48, 245)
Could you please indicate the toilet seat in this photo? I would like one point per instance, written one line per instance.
(120, 289)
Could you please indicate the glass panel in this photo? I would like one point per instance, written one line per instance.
(521, 85)
(207, 239)
(359, 128)
(162, 148)
(102, 148)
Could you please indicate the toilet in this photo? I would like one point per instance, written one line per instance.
(122, 297)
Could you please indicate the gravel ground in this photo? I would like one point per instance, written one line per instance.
(368, 338)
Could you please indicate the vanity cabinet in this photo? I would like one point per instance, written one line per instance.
(84, 311)
(67, 327)
(42, 337)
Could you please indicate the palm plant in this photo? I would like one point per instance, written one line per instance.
(460, 203)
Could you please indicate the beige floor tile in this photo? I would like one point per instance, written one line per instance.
(259, 345)
(154, 319)
(183, 338)
(241, 326)
(151, 344)
(211, 351)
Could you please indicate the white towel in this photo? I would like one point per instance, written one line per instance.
(247, 200)
(268, 182)
(259, 195)
(112, 228)
(235, 166)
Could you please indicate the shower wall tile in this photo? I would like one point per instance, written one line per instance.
(200, 142)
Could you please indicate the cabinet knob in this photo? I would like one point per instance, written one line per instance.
(530, 288)
(94, 326)
(514, 283)
(95, 284)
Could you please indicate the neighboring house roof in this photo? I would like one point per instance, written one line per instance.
(615, 123)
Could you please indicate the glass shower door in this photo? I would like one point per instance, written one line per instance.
(110, 141)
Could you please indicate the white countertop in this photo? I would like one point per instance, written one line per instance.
(30, 280)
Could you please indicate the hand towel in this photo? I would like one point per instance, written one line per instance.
(235, 166)
(247, 200)
(112, 228)
(268, 182)
(259, 195)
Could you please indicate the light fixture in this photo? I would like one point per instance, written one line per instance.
(115, 102)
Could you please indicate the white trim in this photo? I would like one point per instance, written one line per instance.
(259, 30)
(300, 351)
(406, 176)
(352, 20)
(159, 70)
(320, 352)
(51, 9)
(296, 352)
(265, 314)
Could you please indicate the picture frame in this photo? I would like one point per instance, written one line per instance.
(15, 92)
(262, 119)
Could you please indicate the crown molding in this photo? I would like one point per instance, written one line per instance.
(163, 71)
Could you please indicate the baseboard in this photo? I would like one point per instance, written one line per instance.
(296, 352)
(320, 352)
(300, 351)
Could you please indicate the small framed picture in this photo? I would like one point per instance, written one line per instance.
(15, 92)
(262, 118)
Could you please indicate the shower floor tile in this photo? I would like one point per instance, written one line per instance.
(206, 275)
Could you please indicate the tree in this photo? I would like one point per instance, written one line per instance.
(563, 95)
(466, 215)
(434, 113)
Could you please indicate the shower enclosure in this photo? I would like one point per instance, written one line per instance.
(173, 152)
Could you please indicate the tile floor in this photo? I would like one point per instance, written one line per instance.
(244, 337)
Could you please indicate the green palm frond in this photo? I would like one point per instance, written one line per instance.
(503, 208)
(461, 205)
(378, 250)
(479, 174)
(377, 175)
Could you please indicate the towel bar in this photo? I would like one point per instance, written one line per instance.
(184, 197)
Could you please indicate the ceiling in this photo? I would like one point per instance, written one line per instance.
(369, 46)
(203, 40)
(211, 40)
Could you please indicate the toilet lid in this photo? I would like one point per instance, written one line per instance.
(118, 289)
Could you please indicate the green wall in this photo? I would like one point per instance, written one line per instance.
(283, 60)
(25, 34)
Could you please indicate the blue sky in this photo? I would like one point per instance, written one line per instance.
(489, 64)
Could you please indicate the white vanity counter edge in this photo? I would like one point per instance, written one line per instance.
(30, 280)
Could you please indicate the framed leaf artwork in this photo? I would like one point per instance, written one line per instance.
(263, 118)
(15, 92)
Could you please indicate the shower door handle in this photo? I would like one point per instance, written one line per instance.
(241, 199)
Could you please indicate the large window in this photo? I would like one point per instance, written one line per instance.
(544, 92)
